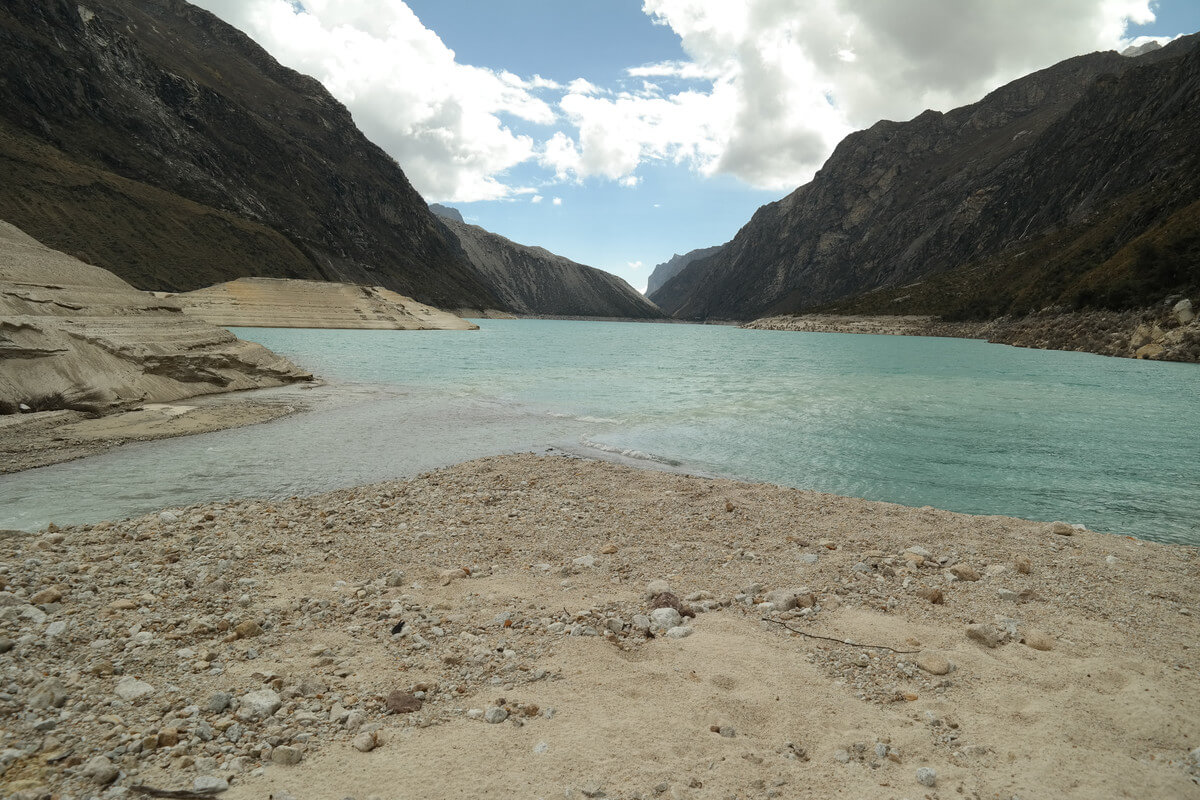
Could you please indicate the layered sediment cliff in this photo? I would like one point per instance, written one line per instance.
(75, 336)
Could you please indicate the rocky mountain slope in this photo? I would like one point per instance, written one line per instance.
(1075, 185)
(153, 139)
(534, 281)
(287, 303)
(74, 336)
(669, 269)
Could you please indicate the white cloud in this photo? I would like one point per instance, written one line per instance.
(537, 198)
(438, 118)
(557, 201)
(630, 181)
(767, 90)
(634, 264)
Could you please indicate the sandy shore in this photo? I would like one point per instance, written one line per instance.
(52, 437)
(257, 648)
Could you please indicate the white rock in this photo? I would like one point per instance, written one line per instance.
(100, 770)
(657, 587)
(679, 632)
(665, 618)
(209, 784)
(286, 755)
(495, 715)
(927, 776)
(259, 705)
(1183, 312)
(130, 689)
(782, 599)
(366, 741)
(584, 561)
(56, 629)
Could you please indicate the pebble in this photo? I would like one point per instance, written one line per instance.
(934, 663)
(665, 618)
(964, 572)
(366, 741)
(782, 599)
(403, 703)
(679, 632)
(130, 689)
(657, 587)
(257, 706)
(210, 784)
(927, 776)
(100, 770)
(495, 714)
(219, 702)
(286, 755)
(986, 635)
(1061, 529)
(1037, 640)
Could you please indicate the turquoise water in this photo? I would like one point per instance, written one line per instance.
(951, 423)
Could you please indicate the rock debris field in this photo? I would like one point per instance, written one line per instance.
(525, 626)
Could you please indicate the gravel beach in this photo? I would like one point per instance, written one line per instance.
(525, 626)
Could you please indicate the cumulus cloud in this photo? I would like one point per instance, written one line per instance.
(767, 88)
(438, 118)
(537, 198)
(557, 201)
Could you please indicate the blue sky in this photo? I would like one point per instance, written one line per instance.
(619, 132)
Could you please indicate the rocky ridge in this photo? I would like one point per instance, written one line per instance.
(153, 139)
(1038, 195)
(1170, 333)
(557, 618)
(74, 336)
(289, 303)
(669, 269)
(535, 282)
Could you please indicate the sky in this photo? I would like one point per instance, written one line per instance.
(620, 132)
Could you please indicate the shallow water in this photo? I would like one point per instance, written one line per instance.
(951, 423)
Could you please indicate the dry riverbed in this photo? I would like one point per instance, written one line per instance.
(511, 627)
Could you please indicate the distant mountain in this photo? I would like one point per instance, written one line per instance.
(445, 212)
(153, 139)
(1078, 185)
(669, 269)
(534, 281)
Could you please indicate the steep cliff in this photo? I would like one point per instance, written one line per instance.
(669, 269)
(74, 336)
(1031, 191)
(534, 281)
(153, 139)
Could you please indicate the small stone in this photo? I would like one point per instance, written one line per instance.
(657, 587)
(927, 776)
(593, 789)
(219, 702)
(541, 748)
(1061, 529)
(665, 618)
(1037, 640)
(727, 731)
(168, 737)
(1008, 594)
(247, 629)
(495, 714)
(56, 629)
(403, 703)
(934, 663)
(679, 632)
(286, 755)
(782, 599)
(257, 706)
(6, 644)
(934, 596)
(608, 549)
(130, 689)
(1023, 564)
(449, 575)
(841, 756)
(366, 741)
(985, 635)
(50, 693)
(964, 572)
(586, 562)
(395, 578)
(209, 784)
(100, 770)
(50, 595)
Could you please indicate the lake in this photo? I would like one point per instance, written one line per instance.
(951, 423)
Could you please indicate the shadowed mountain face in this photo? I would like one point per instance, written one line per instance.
(153, 139)
(534, 281)
(669, 269)
(1032, 196)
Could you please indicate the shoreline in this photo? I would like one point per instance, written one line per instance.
(33, 440)
(1146, 334)
(1047, 660)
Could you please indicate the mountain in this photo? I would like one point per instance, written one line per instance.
(534, 281)
(1076, 185)
(445, 212)
(152, 139)
(669, 269)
